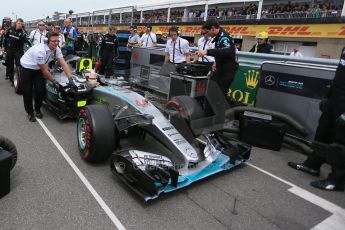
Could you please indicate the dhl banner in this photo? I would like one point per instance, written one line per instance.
(296, 30)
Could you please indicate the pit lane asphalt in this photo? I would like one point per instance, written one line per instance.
(47, 194)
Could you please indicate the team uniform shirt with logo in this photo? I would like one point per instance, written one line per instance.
(39, 54)
(147, 40)
(205, 44)
(15, 39)
(177, 50)
(37, 36)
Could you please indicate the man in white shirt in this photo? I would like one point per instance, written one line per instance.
(177, 49)
(37, 36)
(35, 71)
(296, 53)
(148, 39)
(57, 29)
(205, 43)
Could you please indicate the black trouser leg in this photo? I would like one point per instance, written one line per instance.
(40, 90)
(223, 82)
(337, 175)
(10, 64)
(109, 66)
(27, 84)
(103, 64)
(326, 129)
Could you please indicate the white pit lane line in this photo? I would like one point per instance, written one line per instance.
(335, 222)
(87, 184)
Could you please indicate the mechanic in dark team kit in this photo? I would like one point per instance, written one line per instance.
(35, 71)
(330, 130)
(13, 44)
(108, 52)
(224, 54)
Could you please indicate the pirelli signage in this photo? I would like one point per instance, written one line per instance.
(296, 30)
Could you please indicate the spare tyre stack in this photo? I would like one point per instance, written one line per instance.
(123, 61)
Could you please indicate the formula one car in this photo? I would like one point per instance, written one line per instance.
(67, 100)
(196, 146)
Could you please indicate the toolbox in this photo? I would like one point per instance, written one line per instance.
(261, 130)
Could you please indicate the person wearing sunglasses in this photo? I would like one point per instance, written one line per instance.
(261, 46)
(57, 29)
(13, 44)
(37, 36)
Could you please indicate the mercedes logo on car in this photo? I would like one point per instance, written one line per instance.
(270, 80)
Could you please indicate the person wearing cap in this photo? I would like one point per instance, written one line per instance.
(133, 39)
(160, 39)
(177, 48)
(261, 45)
(148, 39)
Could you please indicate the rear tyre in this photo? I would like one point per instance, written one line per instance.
(7, 145)
(97, 135)
(17, 80)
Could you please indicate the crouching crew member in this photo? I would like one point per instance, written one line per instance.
(35, 70)
(224, 53)
(13, 43)
(177, 49)
(108, 52)
(328, 132)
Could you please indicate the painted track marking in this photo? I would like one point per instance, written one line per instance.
(81, 176)
(334, 222)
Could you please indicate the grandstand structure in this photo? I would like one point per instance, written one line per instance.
(315, 27)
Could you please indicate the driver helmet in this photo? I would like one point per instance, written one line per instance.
(91, 77)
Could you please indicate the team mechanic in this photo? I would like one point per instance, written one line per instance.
(224, 53)
(13, 44)
(108, 52)
(34, 67)
(333, 112)
(177, 48)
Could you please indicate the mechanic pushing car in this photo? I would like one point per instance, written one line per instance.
(333, 113)
(35, 70)
(13, 44)
(108, 52)
(224, 53)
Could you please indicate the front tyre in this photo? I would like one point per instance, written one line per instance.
(97, 134)
(7, 145)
